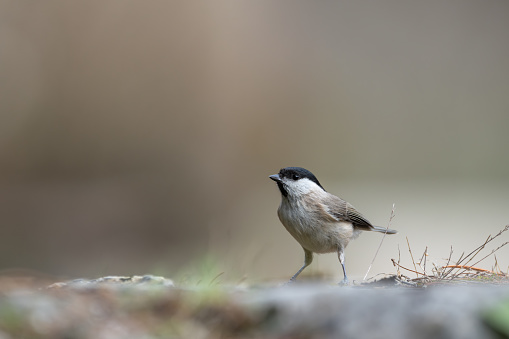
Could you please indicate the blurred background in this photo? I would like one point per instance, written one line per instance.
(138, 137)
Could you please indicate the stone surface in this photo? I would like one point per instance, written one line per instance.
(153, 307)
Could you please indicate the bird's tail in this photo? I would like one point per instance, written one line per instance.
(383, 230)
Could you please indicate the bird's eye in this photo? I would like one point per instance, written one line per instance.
(295, 176)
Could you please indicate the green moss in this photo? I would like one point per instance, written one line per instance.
(497, 318)
(10, 317)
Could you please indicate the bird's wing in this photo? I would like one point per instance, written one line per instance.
(343, 211)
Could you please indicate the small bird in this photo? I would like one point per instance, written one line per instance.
(319, 221)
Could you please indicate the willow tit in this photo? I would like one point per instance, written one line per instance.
(318, 220)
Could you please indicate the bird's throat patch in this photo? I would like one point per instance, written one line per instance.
(284, 192)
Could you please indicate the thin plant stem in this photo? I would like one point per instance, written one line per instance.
(381, 241)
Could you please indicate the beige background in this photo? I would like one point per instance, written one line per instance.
(137, 137)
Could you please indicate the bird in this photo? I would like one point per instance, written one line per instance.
(320, 221)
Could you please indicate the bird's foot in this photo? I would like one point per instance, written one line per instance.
(344, 282)
(288, 283)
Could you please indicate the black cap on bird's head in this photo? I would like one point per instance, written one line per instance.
(293, 173)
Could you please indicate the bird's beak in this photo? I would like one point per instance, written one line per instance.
(275, 177)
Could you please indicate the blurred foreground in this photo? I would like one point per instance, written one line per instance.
(152, 307)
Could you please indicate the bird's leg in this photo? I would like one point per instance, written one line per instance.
(341, 256)
(308, 258)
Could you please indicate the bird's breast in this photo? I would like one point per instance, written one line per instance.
(315, 233)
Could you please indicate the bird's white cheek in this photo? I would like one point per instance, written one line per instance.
(301, 187)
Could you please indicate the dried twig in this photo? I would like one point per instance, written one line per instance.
(496, 267)
(471, 268)
(436, 269)
(399, 260)
(409, 250)
(492, 252)
(452, 269)
(442, 274)
(489, 239)
(461, 269)
(407, 269)
(423, 258)
(474, 253)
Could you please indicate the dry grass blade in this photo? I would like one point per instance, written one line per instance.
(215, 278)
(381, 241)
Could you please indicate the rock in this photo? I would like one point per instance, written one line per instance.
(135, 280)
